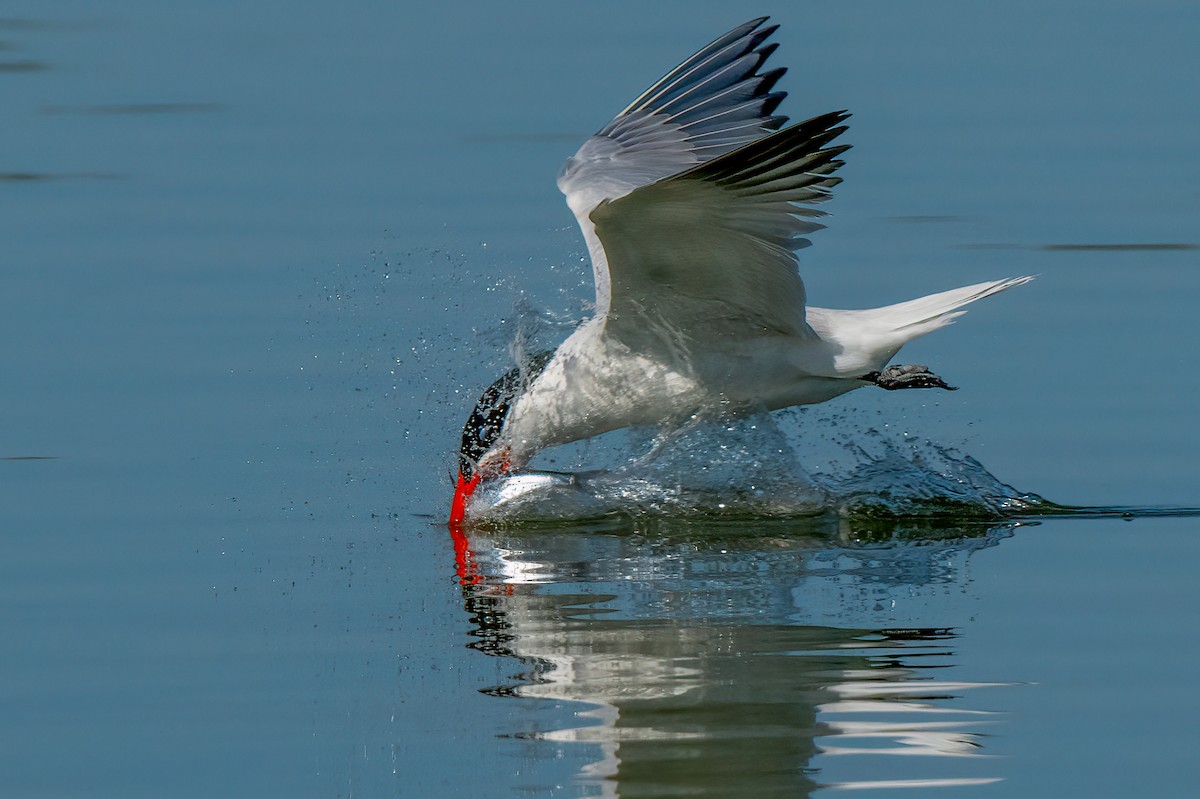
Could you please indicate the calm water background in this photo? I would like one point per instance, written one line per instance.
(258, 259)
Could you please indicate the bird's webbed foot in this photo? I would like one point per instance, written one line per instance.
(906, 376)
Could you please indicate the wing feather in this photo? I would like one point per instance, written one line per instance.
(714, 102)
(709, 253)
(737, 42)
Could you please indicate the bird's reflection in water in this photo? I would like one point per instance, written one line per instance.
(714, 661)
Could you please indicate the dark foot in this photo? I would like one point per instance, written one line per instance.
(906, 376)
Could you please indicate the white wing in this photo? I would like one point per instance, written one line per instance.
(708, 254)
(712, 103)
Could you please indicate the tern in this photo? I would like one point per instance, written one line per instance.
(693, 201)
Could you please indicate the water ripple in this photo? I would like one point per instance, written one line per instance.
(880, 486)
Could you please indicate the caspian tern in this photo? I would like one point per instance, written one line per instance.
(693, 201)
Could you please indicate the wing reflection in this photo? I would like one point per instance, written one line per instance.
(716, 663)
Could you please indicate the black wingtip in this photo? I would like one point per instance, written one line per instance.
(765, 52)
(771, 102)
(746, 28)
(768, 80)
(767, 31)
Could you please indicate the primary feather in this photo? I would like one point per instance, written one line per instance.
(712, 103)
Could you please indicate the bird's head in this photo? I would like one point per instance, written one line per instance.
(485, 453)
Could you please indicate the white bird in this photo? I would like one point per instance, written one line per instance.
(693, 201)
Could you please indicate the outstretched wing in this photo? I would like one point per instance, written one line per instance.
(708, 254)
(711, 104)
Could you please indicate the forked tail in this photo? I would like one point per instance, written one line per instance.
(867, 339)
(920, 316)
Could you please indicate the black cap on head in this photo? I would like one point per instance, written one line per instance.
(486, 423)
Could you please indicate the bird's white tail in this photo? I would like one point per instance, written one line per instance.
(868, 339)
(920, 316)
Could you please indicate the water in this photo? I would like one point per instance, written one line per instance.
(260, 260)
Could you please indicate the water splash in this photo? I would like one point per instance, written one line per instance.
(755, 468)
(747, 468)
(886, 477)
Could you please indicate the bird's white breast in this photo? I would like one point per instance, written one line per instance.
(594, 384)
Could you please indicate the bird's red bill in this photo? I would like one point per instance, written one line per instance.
(463, 490)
